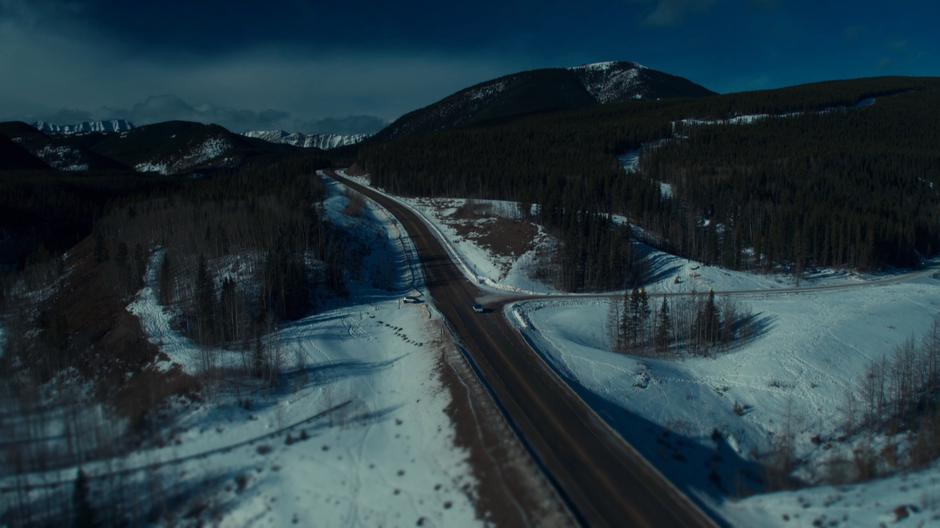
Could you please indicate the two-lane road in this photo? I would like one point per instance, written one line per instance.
(603, 479)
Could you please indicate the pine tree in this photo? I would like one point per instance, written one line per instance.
(165, 280)
(663, 333)
(632, 319)
(644, 317)
(623, 324)
(205, 302)
(84, 513)
(708, 322)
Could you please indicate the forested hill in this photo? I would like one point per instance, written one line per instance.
(846, 174)
(543, 90)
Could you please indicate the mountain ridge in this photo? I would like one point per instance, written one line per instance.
(322, 141)
(544, 90)
(106, 126)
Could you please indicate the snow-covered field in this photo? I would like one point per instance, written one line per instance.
(905, 500)
(810, 353)
(356, 434)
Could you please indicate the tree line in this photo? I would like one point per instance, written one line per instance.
(693, 324)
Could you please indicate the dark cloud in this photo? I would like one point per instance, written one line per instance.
(167, 107)
(263, 63)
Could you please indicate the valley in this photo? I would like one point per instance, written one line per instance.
(591, 295)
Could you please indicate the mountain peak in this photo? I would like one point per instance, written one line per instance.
(544, 90)
(608, 65)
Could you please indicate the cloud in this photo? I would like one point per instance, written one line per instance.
(356, 124)
(167, 107)
(62, 74)
(667, 13)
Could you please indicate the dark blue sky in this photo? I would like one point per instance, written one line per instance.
(286, 63)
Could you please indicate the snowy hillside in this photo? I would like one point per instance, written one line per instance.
(86, 127)
(358, 432)
(210, 149)
(808, 356)
(299, 139)
(63, 157)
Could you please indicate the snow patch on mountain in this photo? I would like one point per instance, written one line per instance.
(63, 158)
(487, 91)
(299, 139)
(612, 81)
(604, 66)
(86, 127)
(209, 150)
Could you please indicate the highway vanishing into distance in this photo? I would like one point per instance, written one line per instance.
(602, 478)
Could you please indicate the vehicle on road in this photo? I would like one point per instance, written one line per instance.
(411, 299)
(478, 308)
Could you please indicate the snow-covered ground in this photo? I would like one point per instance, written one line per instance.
(906, 500)
(809, 353)
(356, 434)
(674, 274)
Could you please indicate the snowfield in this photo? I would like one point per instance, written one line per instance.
(810, 352)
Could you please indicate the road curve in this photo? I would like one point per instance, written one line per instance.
(602, 478)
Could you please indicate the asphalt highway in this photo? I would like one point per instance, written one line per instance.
(604, 481)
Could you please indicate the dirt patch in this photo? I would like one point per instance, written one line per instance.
(86, 325)
(501, 234)
(511, 491)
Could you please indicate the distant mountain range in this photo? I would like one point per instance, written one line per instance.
(170, 147)
(86, 127)
(181, 146)
(544, 90)
(299, 139)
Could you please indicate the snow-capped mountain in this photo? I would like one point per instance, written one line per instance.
(544, 90)
(86, 127)
(299, 139)
(610, 82)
